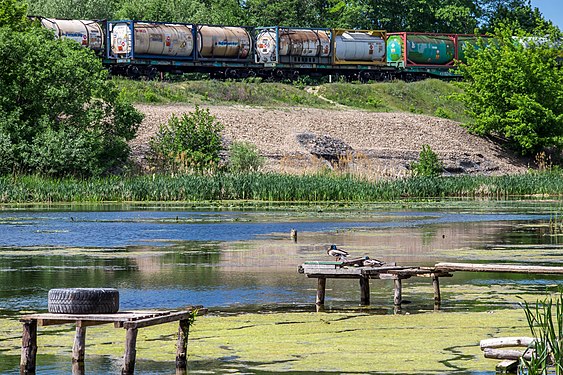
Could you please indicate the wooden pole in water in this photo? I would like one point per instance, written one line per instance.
(436, 286)
(182, 345)
(398, 298)
(130, 352)
(79, 346)
(364, 289)
(321, 290)
(29, 347)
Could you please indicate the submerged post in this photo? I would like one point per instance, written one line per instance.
(29, 347)
(182, 345)
(130, 352)
(398, 297)
(321, 290)
(436, 286)
(79, 346)
(364, 289)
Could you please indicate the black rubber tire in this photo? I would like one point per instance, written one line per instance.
(83, 301)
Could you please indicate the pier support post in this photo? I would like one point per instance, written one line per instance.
(321, 290)
(398, 297)
(29, 347)
(182, 345)
(364, 289)
(79, 347)
(436, 287)
(130, 352)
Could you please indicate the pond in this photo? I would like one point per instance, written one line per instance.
(233, 261)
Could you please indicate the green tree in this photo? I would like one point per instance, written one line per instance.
(72, 9)
(245, 157)
(13, 14)
(186, 144)
(515, 92)
(428, 164)
(59, 114)
(517, 15)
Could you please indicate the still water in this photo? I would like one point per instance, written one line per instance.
(234, 261)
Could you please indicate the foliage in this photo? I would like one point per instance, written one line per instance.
(244, 157)
(515, 92)
(547, 331)
(13, 14)
(428, 164)
(71, 9)
(58, 112)
(189, 143)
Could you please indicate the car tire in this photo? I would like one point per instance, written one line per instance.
(83, 301)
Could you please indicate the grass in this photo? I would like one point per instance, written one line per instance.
(430, 97)
(273, 188)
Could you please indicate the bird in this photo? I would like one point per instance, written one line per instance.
(339, 254)
(373, 262)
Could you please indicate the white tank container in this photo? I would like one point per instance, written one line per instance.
(87, 33)
(224, 42)
(292, 42)
(359, 46)
(153, 39)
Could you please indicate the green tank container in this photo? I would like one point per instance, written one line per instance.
(430, 50)
(421, 49)
(464, 41)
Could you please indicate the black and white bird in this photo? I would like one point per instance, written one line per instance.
(339, 254)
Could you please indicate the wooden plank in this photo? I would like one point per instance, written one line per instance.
(508, 366)
(398, 296)
(128, 367)
(180, 315)
(506, 354)
(436, 287)
(29, 347)
(364, 291)
(512, 268)
(182, 345)
(506, 342)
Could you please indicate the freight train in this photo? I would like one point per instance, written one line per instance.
(138, 48)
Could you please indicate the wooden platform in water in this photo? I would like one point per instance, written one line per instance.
(354, 270)
(131, 321)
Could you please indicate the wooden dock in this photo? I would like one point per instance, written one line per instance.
(131, 321)
(354, 270)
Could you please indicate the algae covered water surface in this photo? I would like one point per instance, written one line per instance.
(242, 265)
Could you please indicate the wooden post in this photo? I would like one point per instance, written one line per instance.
(130, 352)
(364, 289)
(182, 345)
(398, 298)
(79, 346)
(78, 368)
(321, 289)
(436, 286)
(29, 347)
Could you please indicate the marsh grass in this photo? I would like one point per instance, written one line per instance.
(324, 187)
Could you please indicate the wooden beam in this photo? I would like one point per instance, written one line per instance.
(364, 291)
(512, 268)
(128, 367)
(182, 345)
(508, 366)
(321, 291)
(172, 317)
(506, 354)
(506, 342)
(79, 347)
(436, 287)
(29, 347)
(398, 297)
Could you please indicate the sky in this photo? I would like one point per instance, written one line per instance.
(551, 9)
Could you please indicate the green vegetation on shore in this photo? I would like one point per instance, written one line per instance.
(272, 188)
(430, 97)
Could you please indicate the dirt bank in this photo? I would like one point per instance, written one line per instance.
(377, 143)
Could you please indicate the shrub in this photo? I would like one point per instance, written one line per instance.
(189, 143)
(428, 164)
(245, 157)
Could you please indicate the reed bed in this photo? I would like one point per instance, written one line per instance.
(273, 188)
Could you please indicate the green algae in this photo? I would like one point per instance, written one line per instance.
(433, 343)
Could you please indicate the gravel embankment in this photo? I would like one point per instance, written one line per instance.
(382, 143)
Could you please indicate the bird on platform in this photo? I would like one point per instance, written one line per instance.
(339, 254)
(373, 262)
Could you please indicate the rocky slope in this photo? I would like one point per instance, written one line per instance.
(298, 140)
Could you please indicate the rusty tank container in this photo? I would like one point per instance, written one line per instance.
(359, 45)
(292, 42)
(152, 39)
(87, 33)
(224, 42)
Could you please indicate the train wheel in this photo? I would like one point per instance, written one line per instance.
(151, 73)
(133, 72)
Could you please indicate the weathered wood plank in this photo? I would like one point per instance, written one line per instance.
(79, 347)
(321, 291)
(130, 352)
(512, 268)
(506, 342)
(506, 354)
(508, 366)
(182, 345)
(398, 296)
(29, 347)
(364, 290)
(179, 315)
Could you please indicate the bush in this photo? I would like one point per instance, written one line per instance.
(189, 143)
(428, 163)
(245, 157)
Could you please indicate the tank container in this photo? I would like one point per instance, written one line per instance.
(87, 33)
(359, 46)
(292, 42)
(224, 42)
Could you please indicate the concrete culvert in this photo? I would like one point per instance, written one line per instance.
(83, 301)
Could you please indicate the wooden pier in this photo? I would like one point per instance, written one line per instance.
(131, 321)
(355, 270)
